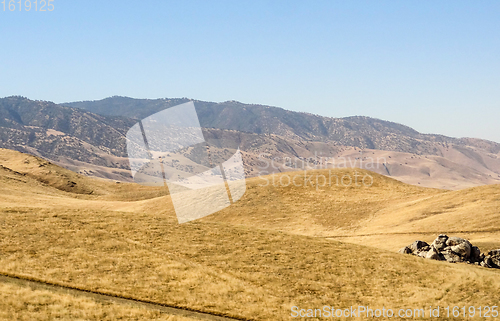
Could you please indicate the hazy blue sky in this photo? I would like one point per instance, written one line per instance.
(432, 65)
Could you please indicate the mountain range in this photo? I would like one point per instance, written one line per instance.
(88, 137)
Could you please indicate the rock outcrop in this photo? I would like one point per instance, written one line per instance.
(453, 250)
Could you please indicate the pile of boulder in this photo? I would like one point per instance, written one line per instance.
(453, 250)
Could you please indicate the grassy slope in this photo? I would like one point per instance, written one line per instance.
(237, 262)
(44, 173)
(471, 213)
(22, 303)
(388, 214)
(313, 209)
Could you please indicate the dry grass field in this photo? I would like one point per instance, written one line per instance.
(278, 247)
(21, 303)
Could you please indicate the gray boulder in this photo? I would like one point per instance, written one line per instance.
(487, 262)
(459, 246)
(418, 245)
(433, 254)
(451, 256)
(495, 261)
(494, 253)
(421, 253)
(453, 250)
(494, 256)
(405, 250)
(440, 242)
(475, 254)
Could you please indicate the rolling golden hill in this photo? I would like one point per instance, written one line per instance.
(278, 247)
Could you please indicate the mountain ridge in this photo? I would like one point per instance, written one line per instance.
(95, 145)
(355, 131)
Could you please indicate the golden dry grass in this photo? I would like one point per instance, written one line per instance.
(37, 172)
(387, 214)
(255, 259)
(244, 272)
(23, 303)
(310, 208)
